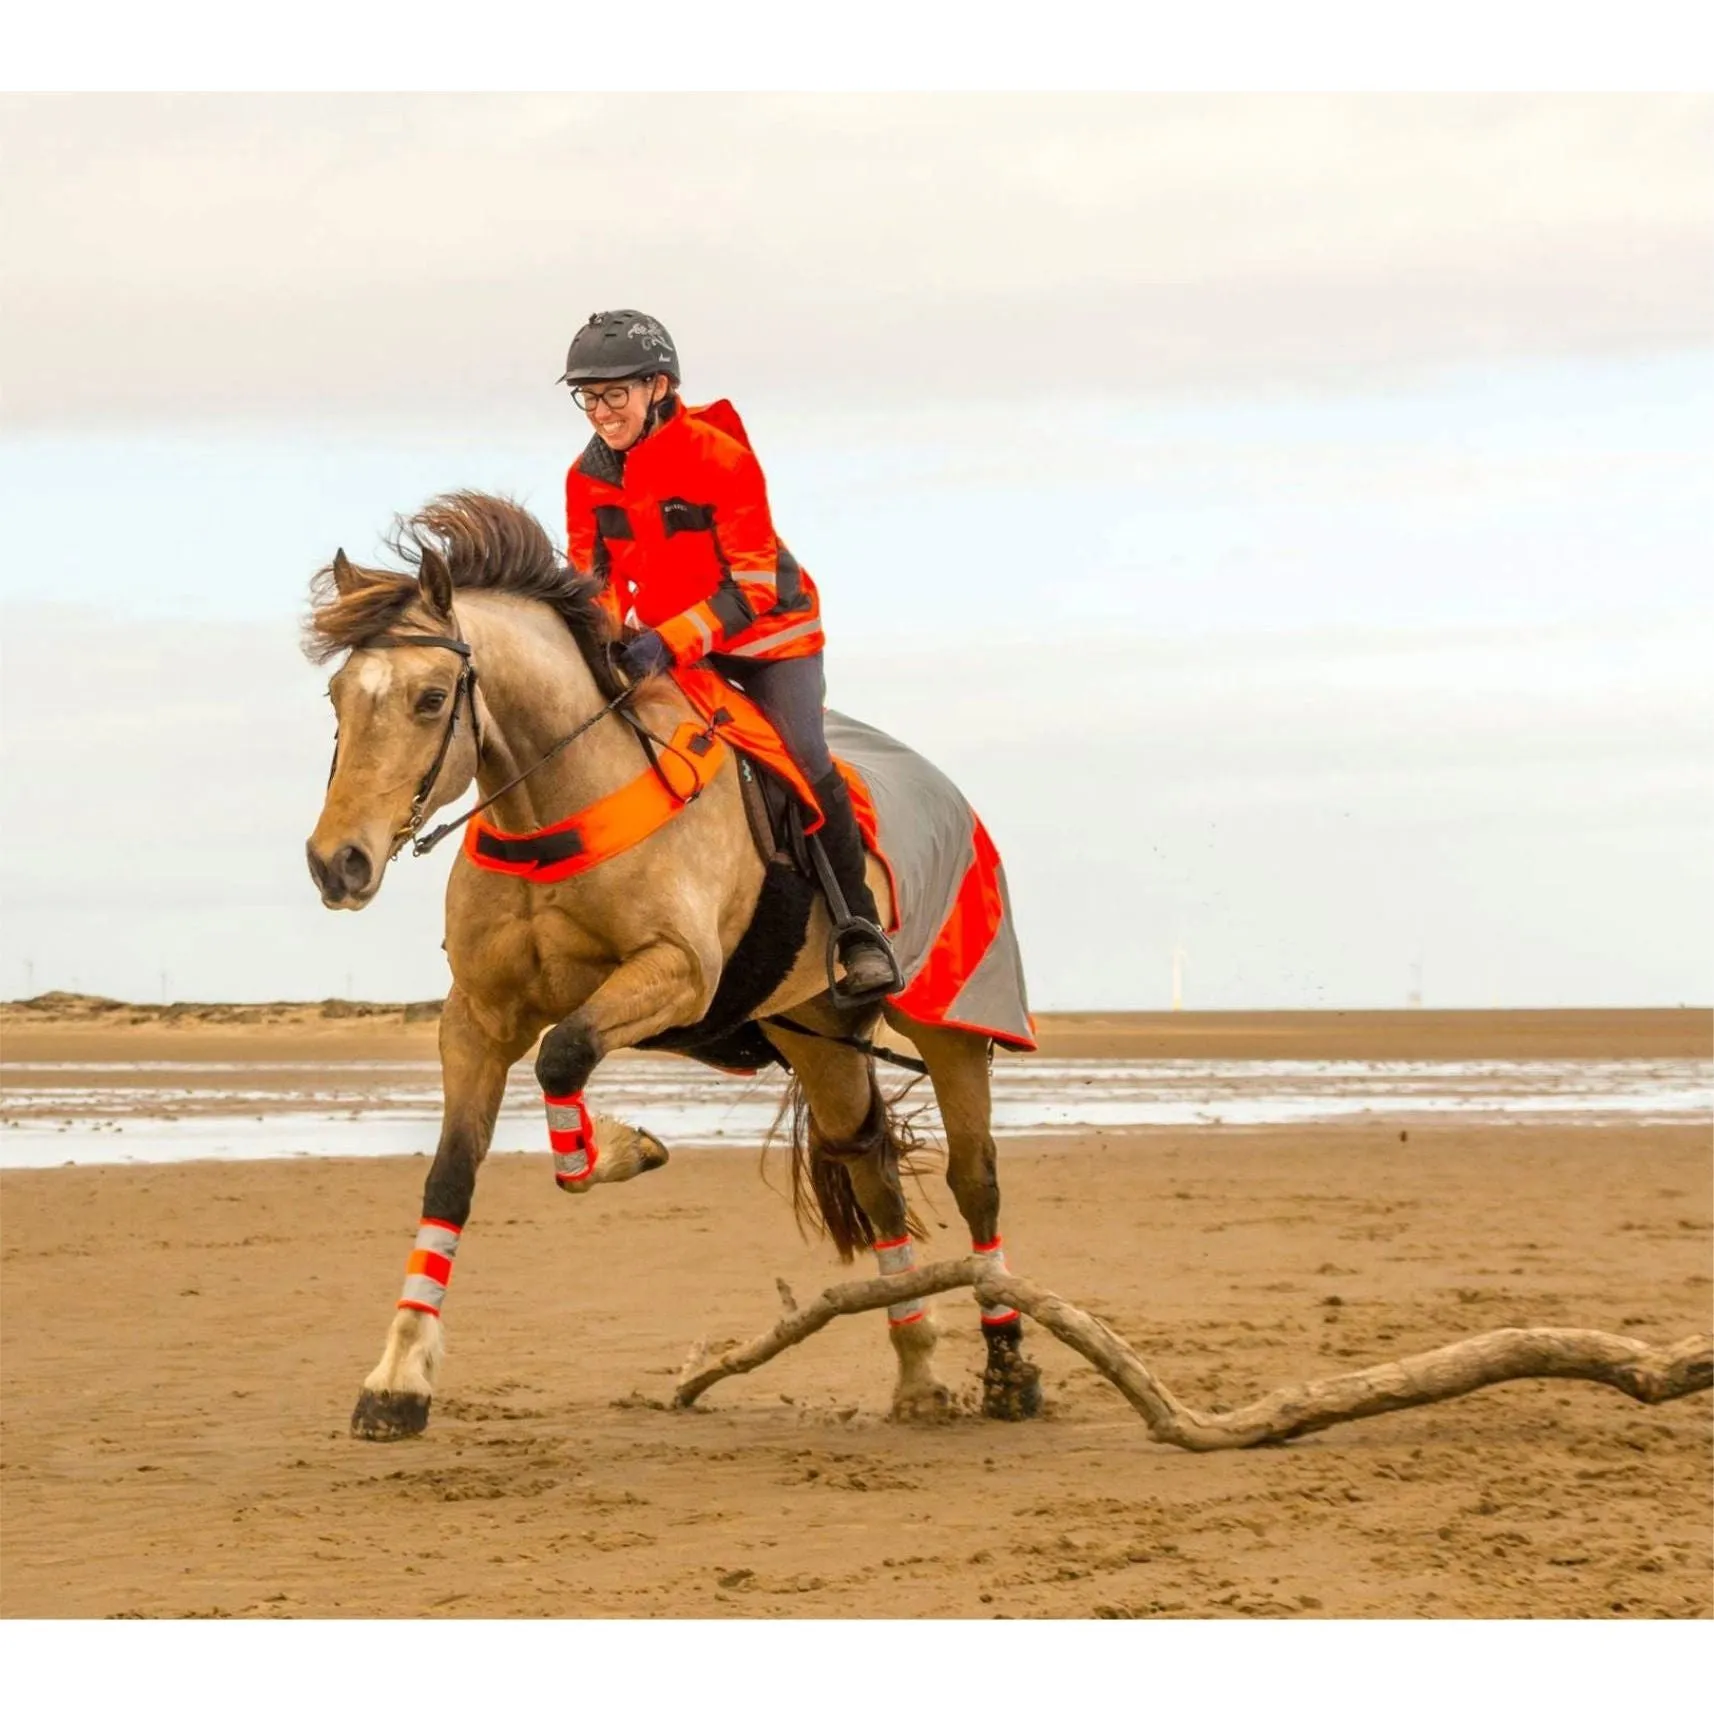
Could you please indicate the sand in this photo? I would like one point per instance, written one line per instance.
(180, 1348)
(60, 1027)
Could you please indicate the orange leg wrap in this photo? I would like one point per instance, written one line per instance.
(898, 1256)
(571, 1131)
(429, 1269)
(1000, 1315)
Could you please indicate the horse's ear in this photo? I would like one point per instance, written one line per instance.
(346, 576)
(435, 583)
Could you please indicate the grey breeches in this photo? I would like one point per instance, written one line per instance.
(792, 694)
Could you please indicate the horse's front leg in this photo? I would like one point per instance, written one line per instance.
(395, 1398)
(664, 985)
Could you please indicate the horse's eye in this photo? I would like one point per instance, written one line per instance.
(431, 702)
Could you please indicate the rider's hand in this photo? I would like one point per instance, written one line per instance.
(646, 653)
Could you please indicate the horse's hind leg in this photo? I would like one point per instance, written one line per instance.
(849, 1134)
(395, 1398)
(958, 1066)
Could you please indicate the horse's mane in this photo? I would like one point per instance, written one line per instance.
(486, 543)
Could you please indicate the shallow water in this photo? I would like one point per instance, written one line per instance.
(161, 1111)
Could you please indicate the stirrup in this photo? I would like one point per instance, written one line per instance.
(857, 931)
(847, 929)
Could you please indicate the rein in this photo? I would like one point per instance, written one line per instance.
(423, 846)
(465, 690)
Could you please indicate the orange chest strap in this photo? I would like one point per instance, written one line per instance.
(609, 825)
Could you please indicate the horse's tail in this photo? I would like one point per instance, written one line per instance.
(823, 1200)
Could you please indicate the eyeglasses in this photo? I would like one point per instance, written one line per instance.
(614, 396)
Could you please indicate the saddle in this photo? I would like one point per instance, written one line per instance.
(779, 807)
(776, 817)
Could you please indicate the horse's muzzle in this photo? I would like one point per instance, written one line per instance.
(346, 880)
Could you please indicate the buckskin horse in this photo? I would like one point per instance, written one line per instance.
(620, 891)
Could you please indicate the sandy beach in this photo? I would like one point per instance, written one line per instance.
(181, 1346)
(57, 1027)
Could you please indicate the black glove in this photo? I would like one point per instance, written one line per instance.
(646, 653)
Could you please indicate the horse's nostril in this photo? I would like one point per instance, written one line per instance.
(317, 868)
(353, 867)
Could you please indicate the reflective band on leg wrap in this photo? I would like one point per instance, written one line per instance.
(1000, 1315)
(897, 1256)
(571, 1132)
(430, 1267)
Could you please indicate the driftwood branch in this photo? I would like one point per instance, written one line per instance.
(852, 1298)
(1648, 1373)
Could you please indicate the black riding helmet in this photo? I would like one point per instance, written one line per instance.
(619, 344)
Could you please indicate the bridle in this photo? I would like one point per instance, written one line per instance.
(463, 691)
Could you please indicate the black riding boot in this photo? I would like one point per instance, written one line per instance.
(870, 971)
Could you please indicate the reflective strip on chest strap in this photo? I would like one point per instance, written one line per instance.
(429, 1268)
(612, 824)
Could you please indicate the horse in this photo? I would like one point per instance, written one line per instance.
(488, 659)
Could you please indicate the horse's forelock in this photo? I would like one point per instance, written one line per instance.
(485, 542)
(348, 619)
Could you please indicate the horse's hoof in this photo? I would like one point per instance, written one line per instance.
(622, 1152)
(925, 1405)
(1017, 1400)
(389, 1416)
(1011, 1383)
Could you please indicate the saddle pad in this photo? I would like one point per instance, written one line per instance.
(952, 930)
(954, 934)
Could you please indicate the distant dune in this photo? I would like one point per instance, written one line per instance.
(65, 1026)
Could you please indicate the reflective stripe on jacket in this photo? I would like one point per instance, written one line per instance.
(680, 529)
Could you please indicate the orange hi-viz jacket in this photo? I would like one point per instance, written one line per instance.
(678, 527)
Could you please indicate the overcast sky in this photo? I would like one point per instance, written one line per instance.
(423, 255)
(1288, 516)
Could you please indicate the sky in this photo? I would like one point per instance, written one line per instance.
(1287, 517)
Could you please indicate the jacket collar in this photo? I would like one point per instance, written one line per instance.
(599, 461)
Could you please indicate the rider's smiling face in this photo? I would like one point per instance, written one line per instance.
(620, 425)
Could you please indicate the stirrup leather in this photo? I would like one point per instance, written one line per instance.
(846, 930)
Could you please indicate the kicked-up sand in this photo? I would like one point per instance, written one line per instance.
(180, 1347)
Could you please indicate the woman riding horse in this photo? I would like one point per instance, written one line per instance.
(667, 506)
